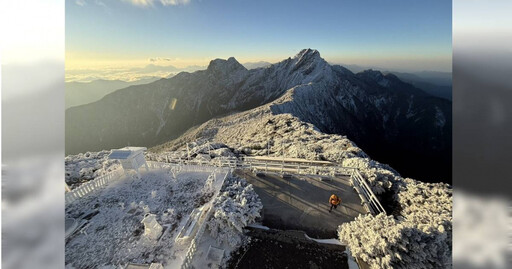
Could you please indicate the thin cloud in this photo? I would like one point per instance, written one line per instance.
(159, 59)
(174, 2)
(103, 5)
(100, 3)
(145, 3)
(80, 2)
(140, 3)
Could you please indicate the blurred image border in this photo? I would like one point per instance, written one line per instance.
(32, 40)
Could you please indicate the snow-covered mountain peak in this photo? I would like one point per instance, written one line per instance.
(307, 66)
(309, 53)
(229, 65)
(308, 56)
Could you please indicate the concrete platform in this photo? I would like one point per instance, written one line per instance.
(302, 202)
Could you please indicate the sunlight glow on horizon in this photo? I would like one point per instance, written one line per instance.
(123, 34)
(395, 62)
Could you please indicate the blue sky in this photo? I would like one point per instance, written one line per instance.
(407, 34)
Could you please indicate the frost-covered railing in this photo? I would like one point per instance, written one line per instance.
(187, 262)
(92, 185)
(100, 181)
(159, 165)
(199, 168)
(191, 251)
(183, 167)
(266, 166)
(370, 201)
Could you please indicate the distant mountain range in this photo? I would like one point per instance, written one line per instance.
(393, 121)
(80, 93)
(436, 83)
(254, 65)
(433, 82)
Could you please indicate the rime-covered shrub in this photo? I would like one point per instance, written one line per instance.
(208, 188)
(380, 177)
(200, 150)
(237, 206)
(161, 157)
(87, 166)
(222, 152)
(202, 157)
(420, 238)
(168, 216)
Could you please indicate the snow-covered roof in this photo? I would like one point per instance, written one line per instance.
(125, 153)
(120, 154)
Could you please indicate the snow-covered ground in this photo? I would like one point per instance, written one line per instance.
(83, 167)
(110, 230)
(114, 235)
(421, 220)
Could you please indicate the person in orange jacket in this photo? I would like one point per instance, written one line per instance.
(334, 201)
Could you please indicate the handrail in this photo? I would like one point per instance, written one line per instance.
(187, 262)
(370, 200)
(375, 207)
(102, 180)
(90, 186)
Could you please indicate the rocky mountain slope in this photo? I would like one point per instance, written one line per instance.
(392, 121)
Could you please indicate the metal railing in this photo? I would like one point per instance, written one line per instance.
(368, 198)
(187, 262)
(370, 201)
(178, 165)
(103, 180)
(92, 185)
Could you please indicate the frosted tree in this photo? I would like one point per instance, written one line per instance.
(237, 206)
(87, 166)
(208, 188)
(419, 238)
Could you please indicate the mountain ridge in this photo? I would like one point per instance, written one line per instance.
(371, 108)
